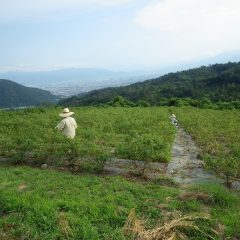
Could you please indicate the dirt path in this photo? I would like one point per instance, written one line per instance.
(185, 166)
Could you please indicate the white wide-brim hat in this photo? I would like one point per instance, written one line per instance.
(66, 113)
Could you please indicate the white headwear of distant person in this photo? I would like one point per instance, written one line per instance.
(66, 113)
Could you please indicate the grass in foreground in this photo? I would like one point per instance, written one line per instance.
(45, 204)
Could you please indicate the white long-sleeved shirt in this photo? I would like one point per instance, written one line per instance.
(67, 126)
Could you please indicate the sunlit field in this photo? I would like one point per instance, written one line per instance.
(49, 204)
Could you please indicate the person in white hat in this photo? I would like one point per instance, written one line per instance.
(174, 119)
(68, 124)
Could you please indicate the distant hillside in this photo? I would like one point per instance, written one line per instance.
(219, 82)
(16, 95)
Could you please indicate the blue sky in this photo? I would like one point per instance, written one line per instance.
(114, 34)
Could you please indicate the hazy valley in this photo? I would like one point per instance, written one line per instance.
(68, 82)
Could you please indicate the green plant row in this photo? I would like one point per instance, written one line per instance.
(131, 133)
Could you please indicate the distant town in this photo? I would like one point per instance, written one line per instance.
(66, 90)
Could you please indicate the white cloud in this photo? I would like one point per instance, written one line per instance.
(172, 15)
(15, 9)
(196, 27)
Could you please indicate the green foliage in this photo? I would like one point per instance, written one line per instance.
(142, 103)
(119, 101)
(225, 207)
(146, 147)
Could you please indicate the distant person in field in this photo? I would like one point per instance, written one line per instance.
(68, 124)
(174, 119)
